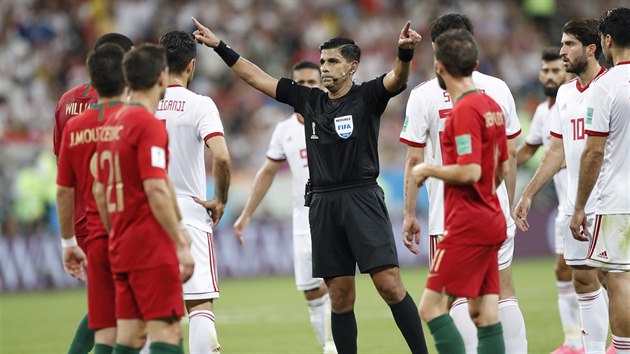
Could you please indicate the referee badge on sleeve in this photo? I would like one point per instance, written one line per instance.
(344, 126)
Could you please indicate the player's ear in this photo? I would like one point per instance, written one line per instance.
(191, 65)
(476, 65)
(354, 66)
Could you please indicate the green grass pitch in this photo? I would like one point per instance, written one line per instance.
(267, 315)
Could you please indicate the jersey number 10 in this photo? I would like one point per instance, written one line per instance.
(578, 128)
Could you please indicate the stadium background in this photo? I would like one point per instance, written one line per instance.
(43, 45)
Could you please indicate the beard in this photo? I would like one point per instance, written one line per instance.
(441, 82)
(551, 91)
(579, 67)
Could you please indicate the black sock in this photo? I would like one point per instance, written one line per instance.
(344, 331)
(408, 321)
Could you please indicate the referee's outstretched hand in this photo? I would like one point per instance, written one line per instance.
(411, 233)
(408, 37)
(203, 35)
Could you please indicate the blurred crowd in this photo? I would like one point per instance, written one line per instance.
(44, 43)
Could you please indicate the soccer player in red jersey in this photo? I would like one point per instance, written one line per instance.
(149, 249)
(474, 164)
(77, 170)
(71, 104)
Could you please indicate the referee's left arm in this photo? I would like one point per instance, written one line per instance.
(399, 75)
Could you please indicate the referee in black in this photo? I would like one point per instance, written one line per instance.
(349, 221)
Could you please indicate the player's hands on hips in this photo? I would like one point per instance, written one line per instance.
(214, 207)
(411, 233)
(74, 261)
(203, 35)
(186, 262)
(408, 37)
(419, 174)
(239, 227)
(579, 226)
(520, 213)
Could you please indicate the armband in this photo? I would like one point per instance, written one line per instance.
(405, 55)
(226, 53)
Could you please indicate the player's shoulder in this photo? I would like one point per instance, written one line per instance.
(425, 87)
(78, 91)
(612, 76)
(490, 83)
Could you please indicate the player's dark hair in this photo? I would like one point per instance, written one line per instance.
(105, 68)
(348, 49)
(551, 54)
(123, 41)
(448, 22)
(457, 50)
(142, 66)
(585, 31)
(616, 23)
(305, 64)
(181, 48)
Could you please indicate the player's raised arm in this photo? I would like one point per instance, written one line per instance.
(246, 70)
(399, 75)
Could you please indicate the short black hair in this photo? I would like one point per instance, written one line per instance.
(457, 50)
(105, 68)
(123, 41)
(616, 23)
(142, 66)
(305, 64)
(448, 22)
(181, 48)
(585, 31)
(550, 54)
(348, 49)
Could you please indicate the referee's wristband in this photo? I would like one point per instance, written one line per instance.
(405, 55)
(69, 242)
(226, 53)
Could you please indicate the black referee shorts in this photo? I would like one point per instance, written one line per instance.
(351, 226)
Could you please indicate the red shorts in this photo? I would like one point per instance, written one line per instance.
(100, 285)
(465, 271)
(149, 294)
(82, 244)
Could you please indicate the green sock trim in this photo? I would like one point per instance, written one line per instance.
(83, 340)
(103, 349)
(447, 337)
(165, 348)
(491, 339)
(123, 349)
(439, 322)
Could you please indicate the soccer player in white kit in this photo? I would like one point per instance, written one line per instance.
(288, 144)
(580, 51)
(193, 122)
(551, 76)
(607, 149)
(427, 109)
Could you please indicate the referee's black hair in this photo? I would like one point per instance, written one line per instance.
(123, 41)
(448, 22)
(142, 66)
(348, 49)
(105, 68)
(585, 31)
(616, 23)
(550, 54)
(181, 48)
(457, 50)
(305, 64)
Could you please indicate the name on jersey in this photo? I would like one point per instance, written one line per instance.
(75, 108)
(494, 118)
(171, 105)
(344, 126)
(93, 135)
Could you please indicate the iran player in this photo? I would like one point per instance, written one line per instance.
(148, 249)
(288, 144)
(606, 149)
(580, 50)
(427, 110)
(71, 104)
(551, 76)
(475, 161)
(193, 122)
(76, 173)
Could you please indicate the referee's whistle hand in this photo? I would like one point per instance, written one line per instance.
(411, 234)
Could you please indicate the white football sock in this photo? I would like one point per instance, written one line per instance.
(465, 325)
(513, 325)
(147, 344)
(319, 312)
(622, 344)
(569, 314)
(202, 335)
(594, 320)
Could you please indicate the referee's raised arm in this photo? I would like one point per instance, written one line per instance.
(246, 70)
(399, 75)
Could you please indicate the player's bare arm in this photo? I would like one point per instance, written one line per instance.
(411, 226)
(73, 257)
(246, 70)
(98, 190)
(501, 172)
(525, 153)
(510, 177)
(221, 165)
(451, 174)
(551, 163)
(262, 183)
(590, 166)
(399, 75)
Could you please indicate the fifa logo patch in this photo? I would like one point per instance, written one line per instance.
(344, 126)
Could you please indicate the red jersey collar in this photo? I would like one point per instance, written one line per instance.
(623, 62)
(175, 85)
(582, 89)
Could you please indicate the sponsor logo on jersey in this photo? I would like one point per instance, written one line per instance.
(314, 136)
(464, 144)
(589, 115)
(344, 126)
(158, 157)
(603, 255)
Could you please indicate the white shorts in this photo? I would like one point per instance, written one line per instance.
(610, 246)
(204, 283)
(575, 251)
(303, 263)
(559, 234)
